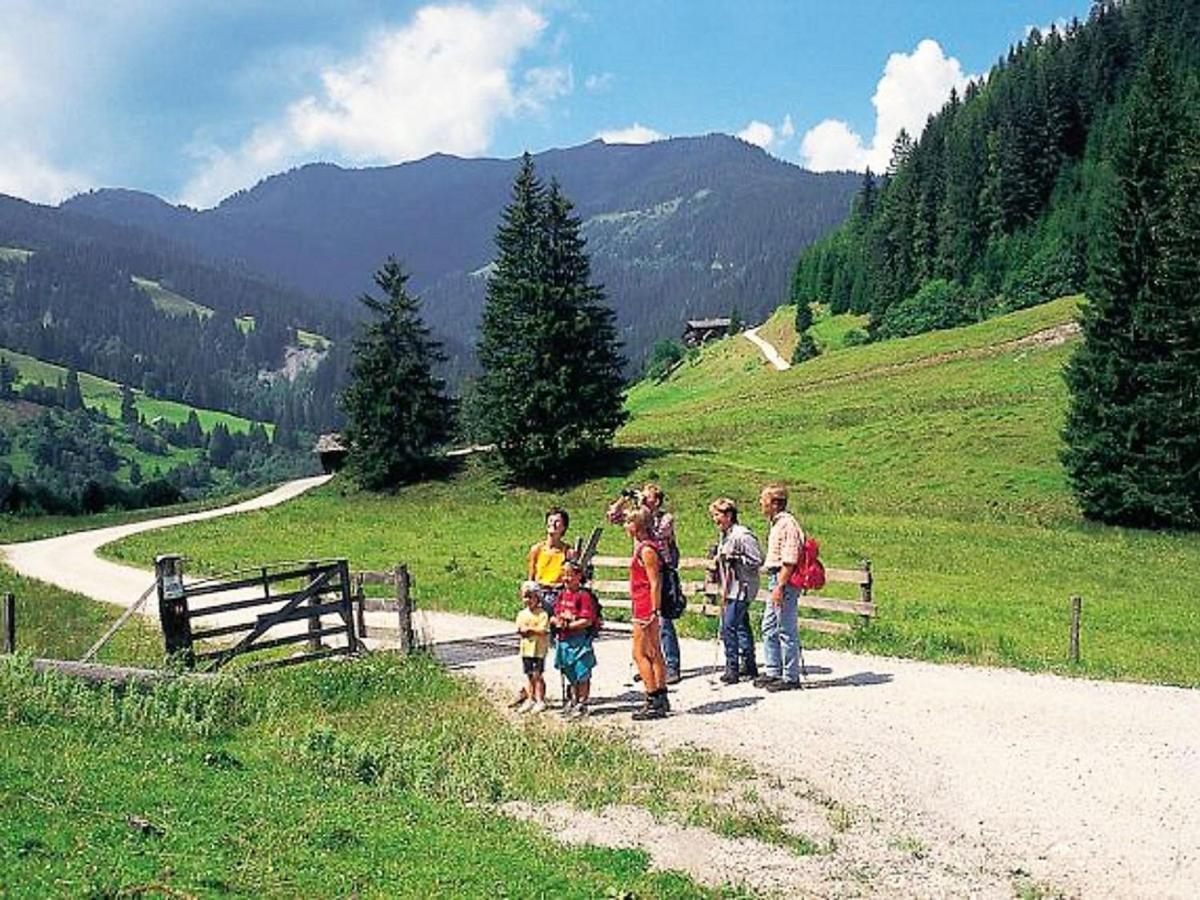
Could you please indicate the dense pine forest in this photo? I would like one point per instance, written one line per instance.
(70, 295)
(1074, 166)
(996, 205)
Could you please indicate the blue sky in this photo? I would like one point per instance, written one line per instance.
(194, 99)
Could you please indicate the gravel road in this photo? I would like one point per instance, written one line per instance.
(953, 780)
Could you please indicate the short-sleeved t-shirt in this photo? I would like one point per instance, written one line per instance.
(536, 620)
(548, 564)
(577, 604)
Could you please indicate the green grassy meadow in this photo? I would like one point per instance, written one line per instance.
(936, 457)
(104, 394)
(374, 778)
(169, 302)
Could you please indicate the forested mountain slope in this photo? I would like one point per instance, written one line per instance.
(676, 229)
(999, 203)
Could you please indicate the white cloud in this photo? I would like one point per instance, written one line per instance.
(598, 83)
(760, 134)
(30, 175)
(771, 138)
(439, 83)
(636, 133)
(41, 57)
(543, 85)
(913, 86)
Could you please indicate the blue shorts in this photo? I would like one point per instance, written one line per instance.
(575, 658)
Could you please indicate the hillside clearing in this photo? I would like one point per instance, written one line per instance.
(169, 302)
(106, 395)
(934, 456)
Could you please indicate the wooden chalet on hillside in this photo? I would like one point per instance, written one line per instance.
(701, 331)
(332, 450)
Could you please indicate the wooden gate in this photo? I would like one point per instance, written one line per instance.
(305, 596)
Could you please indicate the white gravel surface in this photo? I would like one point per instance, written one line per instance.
(953, 780)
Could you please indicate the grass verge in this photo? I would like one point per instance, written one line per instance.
(374, 777)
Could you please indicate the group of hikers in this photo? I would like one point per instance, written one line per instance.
(559, 610)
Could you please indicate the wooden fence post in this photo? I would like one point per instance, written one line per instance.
(9, 636)
(865, 590)
(314, 620)
(1076, 615)
(360, 603)
(404, 603)
(172, 608)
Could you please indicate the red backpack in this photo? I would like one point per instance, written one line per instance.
(809, 574)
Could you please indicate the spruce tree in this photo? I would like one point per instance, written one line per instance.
(397, 410)
(8, 377)
(806, 347)
(548, 345)
(1130, 429)
(129, 414)
(72, 395)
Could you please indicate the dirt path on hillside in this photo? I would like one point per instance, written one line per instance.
(768, 349)
(910, 779)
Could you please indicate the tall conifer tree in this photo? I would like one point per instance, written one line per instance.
(1125, 430)
(548, 346)
(397, 410)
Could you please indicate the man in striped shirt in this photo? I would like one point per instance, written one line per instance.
(780, 626)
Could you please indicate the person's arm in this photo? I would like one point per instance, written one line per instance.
(533, 555)
(787, 568)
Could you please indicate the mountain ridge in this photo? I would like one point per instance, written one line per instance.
(324, 229)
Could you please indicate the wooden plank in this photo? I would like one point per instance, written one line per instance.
(227, 654)
(210, 633)
(375, 604)
(377, 577)
(842, 576)
(848, 576)
(276, 600)
(828, 604)
(381, 633)
(219, 587)
(622, 587)
(825, 626)
(616, 603)
(98, 673)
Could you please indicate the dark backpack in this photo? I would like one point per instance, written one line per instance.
(674, 603)
(597, 614)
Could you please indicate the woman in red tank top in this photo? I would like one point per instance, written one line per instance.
(645, 587)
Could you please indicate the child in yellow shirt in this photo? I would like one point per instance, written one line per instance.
(533, 625)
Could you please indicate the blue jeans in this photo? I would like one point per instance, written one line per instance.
(670, 644)
(736, 633)
(781, 635)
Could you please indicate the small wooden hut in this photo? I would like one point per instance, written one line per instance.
(701, 331)
(332, 450)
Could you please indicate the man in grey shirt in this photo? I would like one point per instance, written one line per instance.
(738, 559)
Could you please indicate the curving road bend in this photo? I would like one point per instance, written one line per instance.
(70, 561)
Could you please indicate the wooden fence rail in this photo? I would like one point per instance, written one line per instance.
(704, 593)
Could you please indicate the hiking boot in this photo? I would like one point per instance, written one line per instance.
(780, 685)
(526, 705)
(730, 677)
(580, 711)
(537, 707)
(673, 676)
(663, 702)
(650, 711)
(763, 681)
(750, 670)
